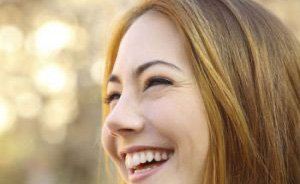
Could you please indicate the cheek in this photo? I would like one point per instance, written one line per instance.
(108, 142)
(161, 114)
(181, 119)
(177, 115)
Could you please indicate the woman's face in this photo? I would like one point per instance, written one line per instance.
(157, 128)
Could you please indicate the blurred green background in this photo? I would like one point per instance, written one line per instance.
(51, 62)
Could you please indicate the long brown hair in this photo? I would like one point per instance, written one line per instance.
(247, 66)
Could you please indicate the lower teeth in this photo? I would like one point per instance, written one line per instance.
(148, 166)
(143, 170)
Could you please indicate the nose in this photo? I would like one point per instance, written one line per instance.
(125, 118)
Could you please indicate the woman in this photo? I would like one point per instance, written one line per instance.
(202, 91)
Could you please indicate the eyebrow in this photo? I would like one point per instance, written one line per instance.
(142, 68)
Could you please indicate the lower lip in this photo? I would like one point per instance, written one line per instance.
(136, 177)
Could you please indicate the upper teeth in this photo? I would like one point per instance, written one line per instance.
(134, 159)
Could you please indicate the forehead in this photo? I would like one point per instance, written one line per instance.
(153, 36)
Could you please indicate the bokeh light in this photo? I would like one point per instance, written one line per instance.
(59, 112)
(53, 79)
(11, 38)
(7, 116)
(53, 36)
(28, 104)
(96, 71)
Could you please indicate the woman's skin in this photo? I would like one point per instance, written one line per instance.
(156, 107)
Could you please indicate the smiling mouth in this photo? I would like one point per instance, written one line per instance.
(144, 163)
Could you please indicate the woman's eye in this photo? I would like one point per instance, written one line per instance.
(112, 97)
(157, 81)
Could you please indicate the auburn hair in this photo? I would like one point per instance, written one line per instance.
(247, 67)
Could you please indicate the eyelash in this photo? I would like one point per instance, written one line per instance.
(112, 97)
(153, 81)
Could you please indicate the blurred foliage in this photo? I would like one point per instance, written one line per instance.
(51, 62)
